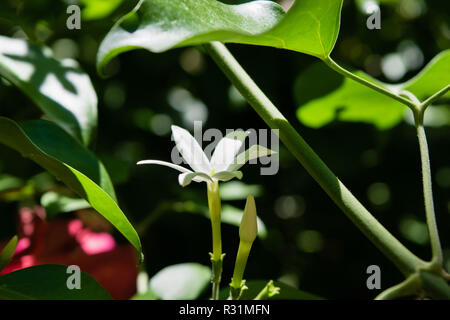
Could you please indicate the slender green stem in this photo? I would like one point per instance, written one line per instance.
(333, 65)
(427, 190)
(268, 291)
(216, 256)
(404, 259)
(408, 287)
(434, 97)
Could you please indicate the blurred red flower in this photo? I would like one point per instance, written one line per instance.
(70, 242)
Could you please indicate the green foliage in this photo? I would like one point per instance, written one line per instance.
(7, 252)
(287, 292)
(185, 281)
(310, 26)
(60, 88)
(348, 100)
(55, 203)
(56, 151)
(48, 282)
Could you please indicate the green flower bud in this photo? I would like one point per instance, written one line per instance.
(249, 224)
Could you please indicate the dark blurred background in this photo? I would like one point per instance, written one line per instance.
(310, 243)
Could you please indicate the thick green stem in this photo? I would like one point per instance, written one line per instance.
(333, 65)
(404, 259)
(216, 256)
(427, 191)
(408, 287)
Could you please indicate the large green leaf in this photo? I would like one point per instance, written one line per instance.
(343, 99)
(310, 26)
(49, 282)
(7, 252)
(52, 148)
(185, 281)
(60, 88)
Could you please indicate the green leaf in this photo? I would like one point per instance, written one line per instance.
(344, 99)
(98, 9)
(310, 26)
(60, 88)
(55, 203)
(8, 182)
(286, 292)
(52, 148)
(7, 252)
(185, 281)
(237, 190)
(49, 282)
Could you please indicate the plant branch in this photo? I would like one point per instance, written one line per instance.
(434, 97)
(404, 259)
(336, 67)
(408, 287)
(427, 190)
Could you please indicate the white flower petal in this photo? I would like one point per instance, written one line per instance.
(191, 150)
(226, 150)
(185, 179)
(167, 164)
(227, 175)
(255, 151)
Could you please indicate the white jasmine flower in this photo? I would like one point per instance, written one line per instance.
(224, 164)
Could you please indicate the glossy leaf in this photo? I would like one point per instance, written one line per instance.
(59, 88)
(49, 282)
(52, 148)
(7, 252)
(347, 100)
(184, 281)
(310, 26)
(286, 291)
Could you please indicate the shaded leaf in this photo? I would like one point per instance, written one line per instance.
(8, 182)
(347, 100)
(7, 252)
(55, 203)
(60, 88)
(52, 148)
(49, 282)
(185, 281)
(310, 26)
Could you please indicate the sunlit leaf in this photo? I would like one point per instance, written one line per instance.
(60, 88)
(52, 148)
(49, 282)
(237, 190)
(184, 281)
(310, 26)
(98, 9)
(343, 99)
(7, 252)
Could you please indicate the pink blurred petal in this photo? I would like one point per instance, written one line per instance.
(95, 243)
(74, 226)
(22, 245)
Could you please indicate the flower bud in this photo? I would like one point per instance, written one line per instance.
(249, 225)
